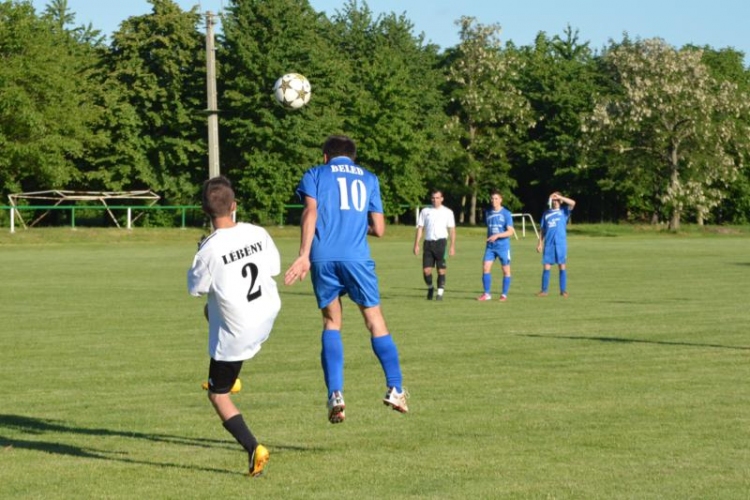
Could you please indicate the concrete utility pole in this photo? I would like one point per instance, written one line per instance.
(212, 111)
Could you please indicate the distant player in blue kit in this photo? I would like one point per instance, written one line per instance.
(499, 231)
(554, 240)
(340, 198)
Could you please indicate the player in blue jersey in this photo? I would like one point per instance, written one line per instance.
(499, 231)
(340, 199)
(554, 240)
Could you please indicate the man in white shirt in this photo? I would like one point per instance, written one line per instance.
(234, 267)
(437, 223)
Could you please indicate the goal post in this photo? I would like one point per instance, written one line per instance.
(524, 218)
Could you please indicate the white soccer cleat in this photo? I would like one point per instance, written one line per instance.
(336, 408)
(396, 400)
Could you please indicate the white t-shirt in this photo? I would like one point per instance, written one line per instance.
(436, 222)
(235, 267)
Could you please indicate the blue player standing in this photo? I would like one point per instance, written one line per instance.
(499, 231)
(554, 241)
(338, 197)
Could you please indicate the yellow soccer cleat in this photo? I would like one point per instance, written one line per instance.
(258, 460)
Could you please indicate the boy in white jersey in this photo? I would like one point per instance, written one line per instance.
(437, 222)
(234, 267)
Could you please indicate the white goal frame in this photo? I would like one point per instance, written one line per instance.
(523, 218)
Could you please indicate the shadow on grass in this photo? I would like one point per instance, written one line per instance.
(620, 340)
(8, 445)
(38, 427)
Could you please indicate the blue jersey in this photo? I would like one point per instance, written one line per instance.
(554, 226)
(498, 221)
(345, 194)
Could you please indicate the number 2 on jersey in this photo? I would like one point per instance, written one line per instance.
(252, 270)
(357, 191)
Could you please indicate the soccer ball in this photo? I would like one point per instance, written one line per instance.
(292, 90)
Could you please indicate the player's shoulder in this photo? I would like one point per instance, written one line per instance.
(249, 227)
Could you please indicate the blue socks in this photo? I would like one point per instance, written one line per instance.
(387, 353)
(332, 360)
(563, 280)
(506, 285)
(545, 280)
(487, 282)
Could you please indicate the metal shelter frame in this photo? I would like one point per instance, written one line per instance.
(58, 197)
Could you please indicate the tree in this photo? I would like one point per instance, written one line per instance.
(679, 124)
(158, 60)
(265, 146)
(46, 111)
(392, 100)
(728, 65)
(559, 80)
(487, 111)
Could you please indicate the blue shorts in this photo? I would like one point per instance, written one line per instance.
(333, 279)
(555, 254)
(490, 254)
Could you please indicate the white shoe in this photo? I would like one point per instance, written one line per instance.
(396, 400)
(336, 408)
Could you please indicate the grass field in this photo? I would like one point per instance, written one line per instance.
(636, 386)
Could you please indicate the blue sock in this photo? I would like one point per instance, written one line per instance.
(387, 353)
(487, 282)
(545, 280)
(332, 360)
(506, 285)
(563, 280)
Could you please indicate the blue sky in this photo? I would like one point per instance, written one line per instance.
(718, 23)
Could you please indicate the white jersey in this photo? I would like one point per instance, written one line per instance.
(235, 267)
(436, 222)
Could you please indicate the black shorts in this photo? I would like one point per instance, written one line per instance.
(434, 254)
(222, 374)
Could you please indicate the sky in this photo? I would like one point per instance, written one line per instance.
(717, 23)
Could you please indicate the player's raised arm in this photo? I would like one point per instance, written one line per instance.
(301, 265)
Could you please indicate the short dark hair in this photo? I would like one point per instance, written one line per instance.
(218, 197)
(496, 192)
(340, 145)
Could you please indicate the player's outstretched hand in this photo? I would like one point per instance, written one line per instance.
(297, 271)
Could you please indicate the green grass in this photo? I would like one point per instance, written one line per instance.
(634, 387)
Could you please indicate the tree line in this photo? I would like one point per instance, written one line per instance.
(637, 130)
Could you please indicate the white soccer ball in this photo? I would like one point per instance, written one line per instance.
(292, 90)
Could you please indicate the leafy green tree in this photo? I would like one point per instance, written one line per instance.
(266, 147)
(680, 125)
(487, 112)
(59, 14)
(559, 80)
(728, 65)
(392, 100)
(158, 62)
(46, 111)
